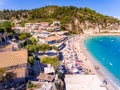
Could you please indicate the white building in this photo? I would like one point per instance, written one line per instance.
(28, 25)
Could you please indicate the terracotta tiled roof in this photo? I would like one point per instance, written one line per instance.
(11, 58)
(44, 23)
(53, 38)
(62, 32)
(46, 77)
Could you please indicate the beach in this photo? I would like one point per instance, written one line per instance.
(89, 62)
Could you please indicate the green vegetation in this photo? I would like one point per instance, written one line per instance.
(6, 27)
(31, 48)
(54, 47)
(51, 60)
(23, 44)
(23, 36)
(31, 60)
(32, 40)
(59, 75)
(79, 18)
(13, 14)
(43, 47)
(28, 42)
(2, 72)
(31, 85)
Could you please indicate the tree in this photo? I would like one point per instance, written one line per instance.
(23, 36)
(54, 47)
(31, 60)
(63, 27)
(33, 41)
(2, 72)
(32, 48)
(31, 85)
(51, 60)
(23, 44)
(6, 26)
(43, 47)
(1, 30)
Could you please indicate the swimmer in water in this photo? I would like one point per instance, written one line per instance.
(110, 64)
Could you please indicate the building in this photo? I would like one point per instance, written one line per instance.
(55, 26)
(60, 33)
(51, 39)
(44, 26)
(35, 26)
(49, 70)
(40, 34)
(28, 25)
(63, 33)
(15, 65)
(18, 29)
(45, 77)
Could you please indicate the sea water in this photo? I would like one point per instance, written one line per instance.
(106, 51)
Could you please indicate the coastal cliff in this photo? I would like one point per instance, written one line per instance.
(73, 19)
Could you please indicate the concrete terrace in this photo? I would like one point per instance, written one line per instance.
(83, 82)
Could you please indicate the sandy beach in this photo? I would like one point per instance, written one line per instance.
(89, 62)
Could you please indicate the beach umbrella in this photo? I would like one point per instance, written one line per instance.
(75, 70)
(77, 73)
(76, 65)
(60, 67)
(79, 68)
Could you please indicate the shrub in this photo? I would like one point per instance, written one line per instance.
(31, 60)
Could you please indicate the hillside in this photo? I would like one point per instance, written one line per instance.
(72, 18)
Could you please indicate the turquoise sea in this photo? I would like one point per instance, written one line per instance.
(106, 51)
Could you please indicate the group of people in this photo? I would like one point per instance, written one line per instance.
(70, 57)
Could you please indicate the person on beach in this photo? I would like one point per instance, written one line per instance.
(104, 82)
(96, 67)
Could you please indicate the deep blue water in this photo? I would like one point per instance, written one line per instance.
(106, 50)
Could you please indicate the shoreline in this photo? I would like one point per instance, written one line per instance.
(102, 73)
(106, 34)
